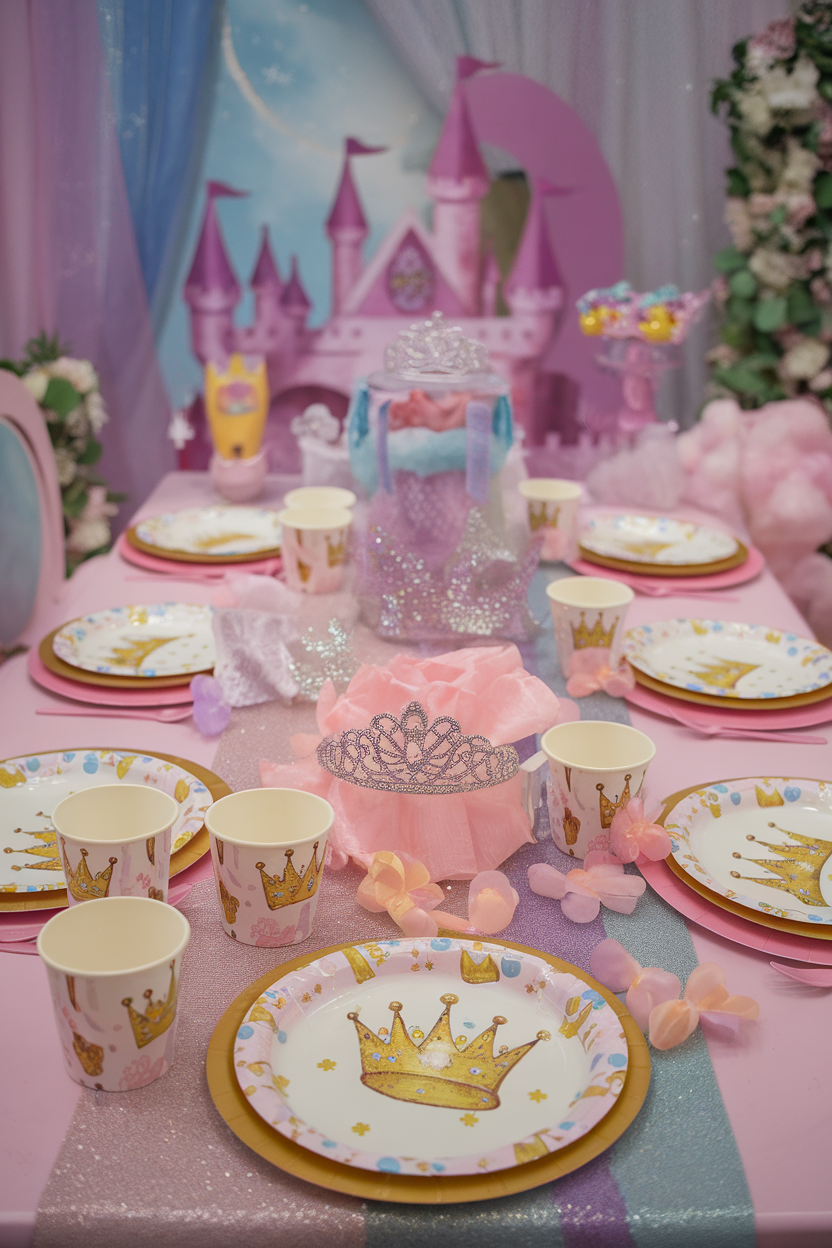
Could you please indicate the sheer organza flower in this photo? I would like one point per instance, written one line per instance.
(631, 834)
(583, 890)
(654, 996)
(400, 884)
(589, 672)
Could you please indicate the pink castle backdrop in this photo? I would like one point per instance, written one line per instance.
(415, 271)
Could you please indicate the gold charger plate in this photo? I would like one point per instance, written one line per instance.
(739, 704)
(185, 556)
(663, 569)
(791, 926)
(196, 847)
(249, 1127)
(50, 660)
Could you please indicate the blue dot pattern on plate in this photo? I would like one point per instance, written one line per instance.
(437, 1166)
(721, 788)
(565, 1126)
(510, 967)
(90, 764)
(329, 1143)
(282, 1037)
(69, 757)
(617, 1059)
(791, 792)
(389, 1165)
(440, 944)
(599, 1057)
(736, 798)
(595, 997)
(245, 1032)
(33, 763)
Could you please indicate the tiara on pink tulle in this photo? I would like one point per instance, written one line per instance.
(408, 755)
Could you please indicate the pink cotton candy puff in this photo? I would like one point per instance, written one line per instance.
(632, 835)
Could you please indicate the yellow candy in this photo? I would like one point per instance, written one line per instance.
(659, 324)
(593, 322)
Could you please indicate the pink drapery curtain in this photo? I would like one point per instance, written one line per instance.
(68, 258)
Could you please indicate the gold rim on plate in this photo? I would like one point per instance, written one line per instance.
(185, 556)
(58, 667)
(191, 852)
(735, 704)
(249, 1127)
(792, 927)
(739, 557)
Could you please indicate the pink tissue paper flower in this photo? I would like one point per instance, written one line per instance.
(582, 891)
(654, 1000)
(589, 672)
(631, 834)
(401, 885)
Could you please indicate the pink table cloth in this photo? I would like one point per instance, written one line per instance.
(775, 1083)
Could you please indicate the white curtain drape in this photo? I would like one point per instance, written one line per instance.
(639, 74)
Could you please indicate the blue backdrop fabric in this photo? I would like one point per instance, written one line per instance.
(162, 63)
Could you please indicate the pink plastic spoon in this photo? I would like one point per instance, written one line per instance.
(164, 714)
(814, 976)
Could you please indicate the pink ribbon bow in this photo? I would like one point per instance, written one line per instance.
(590, 672)
(632, 835)
(583, 890)
(401, 885)
(654, 996)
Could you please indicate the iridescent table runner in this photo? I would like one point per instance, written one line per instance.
(159, 1166)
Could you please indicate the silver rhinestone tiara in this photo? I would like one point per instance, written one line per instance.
(435, 350)
(408, 755)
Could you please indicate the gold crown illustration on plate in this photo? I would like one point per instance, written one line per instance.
(408, 755)
(798, 869)
(158, 1015)
(723, 673)
(285, 890)
(435, 1071)
(598, 637)
(47, 851)
(82, 883)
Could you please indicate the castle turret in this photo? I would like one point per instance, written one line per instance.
(346, 226)
(491, 277)
(535, 284)
(266, 284)
(294, 301)
(457, 181)
(211, 289)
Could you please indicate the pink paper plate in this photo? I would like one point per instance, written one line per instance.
(752, 567)
(178, 695)
(741, 931)
(172, 567)
(726, 717)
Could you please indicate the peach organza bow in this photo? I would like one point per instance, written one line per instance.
(631, 834)
(590, 672)
(401, 885)
(582, 891)
(654, 996)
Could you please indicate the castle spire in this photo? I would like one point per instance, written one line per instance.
(346, 226)
(535, 283)
(266, 275)
(457, 181)
(294, 299)
(211, 288)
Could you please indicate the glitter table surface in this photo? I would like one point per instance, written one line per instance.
(159, 1166)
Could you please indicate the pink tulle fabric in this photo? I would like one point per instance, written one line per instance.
(654, 996)
(583, 890)
(589, 672)
(631, 834)
(766, 472)
(457, 835)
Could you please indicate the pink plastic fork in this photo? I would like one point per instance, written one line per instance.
(165, 714)
(708, 729)
(814, 976)
(669, 591)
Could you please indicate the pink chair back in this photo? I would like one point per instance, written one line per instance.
(31, 518)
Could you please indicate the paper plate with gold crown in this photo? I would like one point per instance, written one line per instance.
(763, 844)
(431, 1057)
(164, 640)
(720, 663)
(659, 545)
